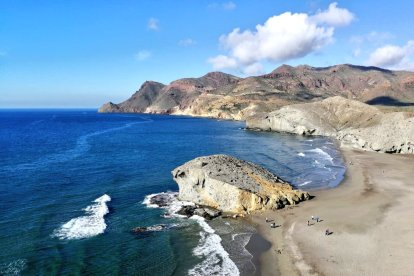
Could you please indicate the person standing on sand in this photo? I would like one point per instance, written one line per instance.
(308, 223)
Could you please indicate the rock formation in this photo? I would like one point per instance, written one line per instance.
(232, 185)
(221, 95)
(353, 123)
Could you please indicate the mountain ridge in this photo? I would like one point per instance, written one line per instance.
(222, 95)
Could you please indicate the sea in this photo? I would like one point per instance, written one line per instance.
(74, 183)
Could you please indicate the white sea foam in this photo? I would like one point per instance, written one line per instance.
(323, 154)
(13, 268)
(305, 183)
(171, 203)
(92, 224)
(301, 154)
(217, 261)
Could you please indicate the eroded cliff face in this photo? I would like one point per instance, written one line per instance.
(353, 123)
(233, 185)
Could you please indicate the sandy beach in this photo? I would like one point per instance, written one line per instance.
(370, 217)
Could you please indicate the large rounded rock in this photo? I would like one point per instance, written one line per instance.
(233, 185)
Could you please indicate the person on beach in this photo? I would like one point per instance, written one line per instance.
(267, 220)
(317, 219)
(308, 223)
(327, 232)
(312, 217)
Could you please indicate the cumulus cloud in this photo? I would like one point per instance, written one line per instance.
(143, 55)
(281, 38)
(392, 56)
(334, 16)
(153, 24)
(187, 42)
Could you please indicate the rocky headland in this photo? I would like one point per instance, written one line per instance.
(220, 95)
(353, 123)
(233, 185)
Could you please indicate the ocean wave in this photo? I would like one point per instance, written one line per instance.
(169, 202)
(13, 268)
(81, 147)
(301, 154)
(217, 261)
(86, 226)
(305, 183)
(323, 154)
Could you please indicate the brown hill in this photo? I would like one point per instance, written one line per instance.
(225, 96)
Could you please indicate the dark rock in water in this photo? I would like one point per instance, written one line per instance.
(187, 210)
(154, 228)
(162, 200)
(206, 212)
(202, 211)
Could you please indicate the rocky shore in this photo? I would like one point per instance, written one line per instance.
(233, 186)
(353, 123)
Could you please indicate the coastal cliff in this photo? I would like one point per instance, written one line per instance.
(353, 123)
(233, 185)
(221, 95)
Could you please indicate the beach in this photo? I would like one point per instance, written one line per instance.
(369, 217)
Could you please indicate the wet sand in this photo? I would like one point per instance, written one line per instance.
(370, 215)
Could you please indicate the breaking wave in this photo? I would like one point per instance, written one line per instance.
(323, 154)
(86, 226)
(216, 259)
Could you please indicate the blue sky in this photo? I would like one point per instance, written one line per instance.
(84, 53)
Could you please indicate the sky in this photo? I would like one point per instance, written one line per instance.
(84, 53)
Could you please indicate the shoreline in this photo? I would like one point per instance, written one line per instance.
(368, 214)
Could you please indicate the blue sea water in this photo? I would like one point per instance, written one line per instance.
(73, 182)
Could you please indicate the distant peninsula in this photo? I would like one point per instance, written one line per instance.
(224, 96)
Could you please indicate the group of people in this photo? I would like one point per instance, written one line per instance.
(273, 224)
(327, 232)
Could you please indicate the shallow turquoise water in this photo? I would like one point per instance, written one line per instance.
(55, 163)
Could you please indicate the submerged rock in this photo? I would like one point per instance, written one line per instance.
(232, 185)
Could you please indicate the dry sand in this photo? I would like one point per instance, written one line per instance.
(370, 214)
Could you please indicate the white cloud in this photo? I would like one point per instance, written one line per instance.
(187, 42)
(153, 24)
(253, 69)
(392, 56)
(224, 5)
(373, 37)
(222, 62)
(281, 38)
(334, 16)
(228, 5)
(143, 55)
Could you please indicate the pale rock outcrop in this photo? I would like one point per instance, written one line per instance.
(353, 123)
(233, 185)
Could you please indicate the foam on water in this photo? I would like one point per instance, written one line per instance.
(13, 268)
(305, 183)
(86, 226)
(171, 203)
(323, 154)
(301, 154)
(217, 261)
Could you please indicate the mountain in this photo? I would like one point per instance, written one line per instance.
(221, 95)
